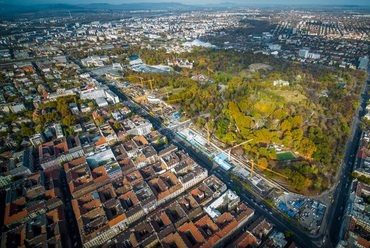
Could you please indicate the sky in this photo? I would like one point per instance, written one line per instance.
(293, 2)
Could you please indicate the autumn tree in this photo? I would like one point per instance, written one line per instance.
(69, 121)
(262, 163)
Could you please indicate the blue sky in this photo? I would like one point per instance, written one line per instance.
(295, 2)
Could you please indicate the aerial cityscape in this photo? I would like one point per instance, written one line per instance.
(185, 124)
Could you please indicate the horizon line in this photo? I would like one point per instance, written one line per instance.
(194, 4)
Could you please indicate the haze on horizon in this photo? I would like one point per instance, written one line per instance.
(195, 2)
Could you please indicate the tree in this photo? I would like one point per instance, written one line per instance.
(201, 122)
(286, 126)
(117, 125)
(297, 135)
(262, 163)
(296, 121)
(289, 234)
(39, 128)
(229, 138)
(26, 131)
(306, 147)
(298, 181)
(99, 120)
(69, 121)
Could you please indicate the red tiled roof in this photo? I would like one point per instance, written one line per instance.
(117, 220)
(363, 242)
(245, 240)
(15, 211)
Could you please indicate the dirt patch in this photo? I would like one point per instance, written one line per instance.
(290, 95)
(259, 66)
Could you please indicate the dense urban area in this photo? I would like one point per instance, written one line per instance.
(171, 125)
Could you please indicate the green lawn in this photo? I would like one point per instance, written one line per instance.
(285, 156)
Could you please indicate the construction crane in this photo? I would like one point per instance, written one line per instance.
(150, 83)
(174, 100)
(142, 82)
(229, 153)
(256, 164)
(208, 134)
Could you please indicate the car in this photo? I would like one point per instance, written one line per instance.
(270, 212)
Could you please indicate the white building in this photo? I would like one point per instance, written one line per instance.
(17, 107)
(112, 96)
(101, 102)
(278, 240)
(143, 127)
(92, 93)
(103, 156)
(137, 127)
(275, 47)
(97, 61)
(303, 53)
(37, 139)
(229, 198)
(313, 55)
(363, 63)
(280, 83)
(58, 130)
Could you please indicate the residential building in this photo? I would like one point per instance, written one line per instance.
(363, 63)
(22, 163)
(79, 177)
(58, 130)
(53, 153)
(17, 107)
(303, 53)
(37, 139)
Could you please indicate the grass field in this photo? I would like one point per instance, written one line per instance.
(290, 95)
(170, 90)
(285, 156)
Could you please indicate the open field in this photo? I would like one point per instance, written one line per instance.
(290, 95)
(170, 90)
(285, 156)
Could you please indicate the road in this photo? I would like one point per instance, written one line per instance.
(74, 237)
(341, 192)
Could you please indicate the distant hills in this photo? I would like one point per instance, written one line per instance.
(14, 8)
(11, 9)
(135, 6)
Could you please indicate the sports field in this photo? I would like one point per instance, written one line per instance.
(285, 156)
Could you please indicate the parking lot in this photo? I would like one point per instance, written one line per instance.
(308, 212)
